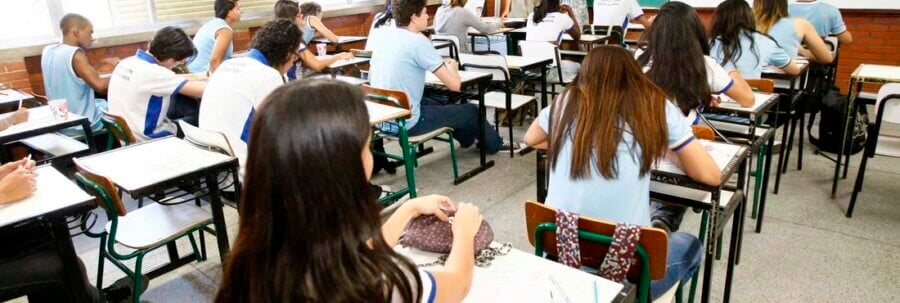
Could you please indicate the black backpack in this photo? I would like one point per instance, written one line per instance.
(832, 107)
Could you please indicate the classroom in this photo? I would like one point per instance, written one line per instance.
(449, 151)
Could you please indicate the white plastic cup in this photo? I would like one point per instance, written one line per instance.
(322, 49)
(59, 108)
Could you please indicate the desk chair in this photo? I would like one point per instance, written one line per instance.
(609, 22)
(887, 110)
(217, 142)
(453, 50)
(595, 237)
(130, 229)
(118, 128)
(400, 99)
(541, 49)
(496, 65)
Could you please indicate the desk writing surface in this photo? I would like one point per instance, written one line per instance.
(38, 117)
(770, 69)
(54, 192)
(341, 39)
(877, 73)
(348, 62)
(722, 154)
(148, 163)
(504, 20)
(586, 37)
(517, 62)
(464, 76)
(489, 286)
(13, 95)
(690, 193)
(501, 30)
(346, 79)
(761, 101)
(382, 113)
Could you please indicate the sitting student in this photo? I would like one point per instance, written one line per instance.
(738, 45)
(824, 17)
(299, 243)
(547, 23)
(603, 136)
(675, 59)
(143, 86)
(69, 75)
(613, 9)
(453, 19)
(214, 39)
(288, 9)
(384, 18)
(400, 58)
(8, 120)
(233, 94)
(517, 8)
(772, 18)
(311, 23)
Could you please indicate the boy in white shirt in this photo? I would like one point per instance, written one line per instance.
(610, 12)
(143, 86)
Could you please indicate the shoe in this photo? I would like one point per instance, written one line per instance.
(120, 291)
(385, 191)
(516, 146)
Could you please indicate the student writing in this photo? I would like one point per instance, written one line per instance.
(288, 9)
(772, 18)
(738, 45)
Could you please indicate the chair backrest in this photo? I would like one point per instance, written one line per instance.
(610, 15)
(654, 240)
(450, 52)
(101, 188)
(833, 44)
(385, 96)
(762, 85)
(543, 50)
(493, 64)
(118, 127)
(889, 98)
(208, 139)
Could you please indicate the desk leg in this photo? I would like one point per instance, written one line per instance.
(543, 86)
(215, 203)
(854, 91)
(765, 184)
(708, 254)
(482, 112)
(742, 173)
(408, 161)
(541, 175)
(89, 136)
(736, 227)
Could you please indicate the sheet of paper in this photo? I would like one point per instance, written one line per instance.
(522, 287)
(760, 99)
(11, 95)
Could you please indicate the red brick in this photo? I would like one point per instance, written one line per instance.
(13, 66)
(885, 20)
(887, 35)
(871, 28)
(13, 76)
(20, 84)
(867, 41)
(882, 49)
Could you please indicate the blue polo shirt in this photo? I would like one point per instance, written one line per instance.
(824, 17)
(750, 60)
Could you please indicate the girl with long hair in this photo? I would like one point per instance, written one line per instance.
(738, 45)
(309, 230)
(548, 23)
(772, 18)
(452, 18)
(214, 39)
(604, 134)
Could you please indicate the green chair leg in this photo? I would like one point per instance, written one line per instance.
(704, 220)
(101, 261)
(453, 155)
(197, 255)
(678, 293)
(136, 290)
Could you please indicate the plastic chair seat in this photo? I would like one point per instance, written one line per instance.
(55, 144)
(498, 100)
(423, 137)
(888, 146)
(155, 224)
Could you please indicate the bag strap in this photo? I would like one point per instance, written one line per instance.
(567, 246)
(621, 252)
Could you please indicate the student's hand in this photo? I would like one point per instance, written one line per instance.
(10, 167)
(467, 221)
(452, 64)
(804, 52)
(17, 185)
(436, 205)
(19, 116)
(714, 101)
(504, 15)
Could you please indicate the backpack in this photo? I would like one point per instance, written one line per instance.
(832, 108)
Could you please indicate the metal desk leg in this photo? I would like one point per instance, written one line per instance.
(543, 86)
(736, 228)
(482, 112)
(541, 177)
(215, 203)
(765, 184)
(844, 132)
(742, 173)
(89, 135)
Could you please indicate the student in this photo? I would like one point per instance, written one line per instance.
(68, 73)
(518, 8)
(603, 135)
(453, 19)
(214, 39)
(738, 45)
(143, 86)
(400, 58)
(383, 18)
(824, 17)
(676, 60)
(548, 23)
(299, 241)
(613, 9)
(17, 180)
(772, 18)
(311, 23)
(579, 11)
(288, 9)
(8, 120)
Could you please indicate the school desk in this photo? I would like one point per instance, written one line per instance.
(346, 79)
(342, 41)
(39, 132)
(9, 99)
(792, 86)
(380, 113)
(523, 65)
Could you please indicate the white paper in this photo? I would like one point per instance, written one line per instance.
(521, 287)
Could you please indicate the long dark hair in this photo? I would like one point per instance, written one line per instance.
(546, 7)
(731, 20)
(223, 7)
(309, 230)
(609, 96)
(676, 44)
(386, 16)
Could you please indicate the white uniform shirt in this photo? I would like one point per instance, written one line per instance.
(616, 12)
(141, 91)
(550, 29)
(233, 94)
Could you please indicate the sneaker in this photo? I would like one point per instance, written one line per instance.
(120, 291)
(385, 191)
(516, 146)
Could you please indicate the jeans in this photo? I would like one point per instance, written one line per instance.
(184, 108)
(670, 214)
(682, 262)
(463, 118)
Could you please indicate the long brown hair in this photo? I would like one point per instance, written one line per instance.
(767, 12)
(309, 230)
(610, 96)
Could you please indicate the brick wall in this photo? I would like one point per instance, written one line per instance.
(15, 75)
(876, 40)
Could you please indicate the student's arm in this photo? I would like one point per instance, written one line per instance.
(322, 30)
(454, 279)
(504, 8)
(637, 14)
(193, 88)
(698, 164)
(475, 22)
(575, 29)
(845, 38)
(86, 72)
(839, 28)
(223, 40)
(645, 21)
(791, 68)
(536, 137)
(313, 62)
(17, 185)
(427, 205)
(449, 75)
(819, 51)
(740, 91)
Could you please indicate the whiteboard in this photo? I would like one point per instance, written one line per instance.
(843, 4)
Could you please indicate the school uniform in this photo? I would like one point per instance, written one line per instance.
(616, 12)
(296, 71)
(232, 95)
(784, 31)
(61, 82)
(824, 17)
(756, 51)
(456, 21)
(428, 287)
(308, 31)
(716, 76)
(625, 198)
(204, 41)
(551, 29)
(400, 59)
(141, 91)
(579, 10)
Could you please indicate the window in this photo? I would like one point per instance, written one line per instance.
(24, 18)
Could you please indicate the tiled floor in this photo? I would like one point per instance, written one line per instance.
(808, 251)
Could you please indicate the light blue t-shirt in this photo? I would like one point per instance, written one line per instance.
(785, 33)
(625, 199)
(750, 61)
(61, 82)
(400, 59)
(204, 41)
(308, 31)
(824, 17)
